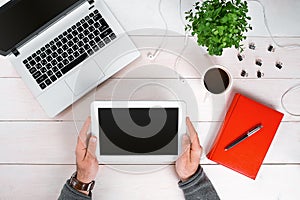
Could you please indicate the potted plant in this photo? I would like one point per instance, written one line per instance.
(219, 24)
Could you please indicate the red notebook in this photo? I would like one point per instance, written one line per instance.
(247, 156)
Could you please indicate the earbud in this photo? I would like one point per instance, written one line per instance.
(152, 56)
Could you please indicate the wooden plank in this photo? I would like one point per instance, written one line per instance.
(273, 182)
(19, 104)
(191, 63)
(54, 142)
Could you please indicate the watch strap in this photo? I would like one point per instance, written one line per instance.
(78, 185)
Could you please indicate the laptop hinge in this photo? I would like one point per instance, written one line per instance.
(16, 52)
(91, 1)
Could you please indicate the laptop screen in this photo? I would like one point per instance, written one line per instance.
(138, 131)
(22, 19)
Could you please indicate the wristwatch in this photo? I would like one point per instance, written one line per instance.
(78, 185)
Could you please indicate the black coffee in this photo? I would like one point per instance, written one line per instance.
(216, 80)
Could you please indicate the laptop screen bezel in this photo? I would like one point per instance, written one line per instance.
(46, 25)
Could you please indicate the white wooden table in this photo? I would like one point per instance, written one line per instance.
(37, 152)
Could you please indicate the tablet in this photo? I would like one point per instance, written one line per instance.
(138, 132)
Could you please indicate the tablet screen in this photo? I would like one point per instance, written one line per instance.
(138, 131)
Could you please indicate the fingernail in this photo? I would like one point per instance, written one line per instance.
(93, 139)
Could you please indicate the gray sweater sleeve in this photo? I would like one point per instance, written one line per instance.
(198, 187)
(69, 193)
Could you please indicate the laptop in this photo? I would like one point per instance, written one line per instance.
(63, 49)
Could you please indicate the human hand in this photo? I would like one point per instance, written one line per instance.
(86, 160)
(188, 162)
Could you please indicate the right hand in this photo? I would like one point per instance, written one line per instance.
(188, 162)
(86, 160)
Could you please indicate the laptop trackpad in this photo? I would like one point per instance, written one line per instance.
(85, 78)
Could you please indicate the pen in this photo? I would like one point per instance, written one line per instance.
(244, 136)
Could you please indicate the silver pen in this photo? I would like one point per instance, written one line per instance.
(244, 136)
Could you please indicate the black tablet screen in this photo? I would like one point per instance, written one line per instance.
(134, 131)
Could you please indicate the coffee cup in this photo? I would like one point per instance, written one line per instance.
(217, 80)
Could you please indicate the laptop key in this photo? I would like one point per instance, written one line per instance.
(43, 55)
(37, 74)
(48, 81)
(48, 66)
(112, 36)
(86, 40)
(54, 62)
(101, 44)
(95, 48)
(49, 73)
(64, 55)
(71, 58)
(91, 36)
(92, 43)
(85, 25)
(38, 66)
(32, 70)
(49, 58)
(60, 65)
(43, 86)
(65, 47)
(64, 40)
(76, 54)
(90, 21)
(74, 63)
(97, 25)
(59, 58)
(32, 62)
(53, 78)
(80, 36)
(104, 25)
(54, 69)
(106, 33)
(107, 40)
(97, 17)
(65, 62)
(81, 50)
(41, 78)
(48, 51)
(90, 52)
(27, 66)
(96, 32)
(44, 62)
(43, 70)
(97, 39)
(58, 74)
(59, 43)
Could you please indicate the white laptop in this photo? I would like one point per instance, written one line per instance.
(138, 132)
(63, 48)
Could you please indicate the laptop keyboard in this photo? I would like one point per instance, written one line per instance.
(68, 49)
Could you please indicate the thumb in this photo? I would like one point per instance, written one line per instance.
(92, 146)
(186, 146)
